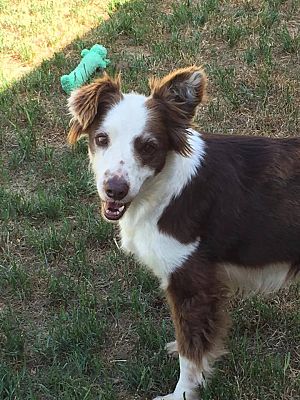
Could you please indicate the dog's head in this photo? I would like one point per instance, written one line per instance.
(130, 135)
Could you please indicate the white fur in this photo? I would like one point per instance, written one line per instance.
(123, 123)
(189, 380)
(193, 84)
(149, 194)
(139, 231)
(266, 280)
(71, 102)
(172, 348)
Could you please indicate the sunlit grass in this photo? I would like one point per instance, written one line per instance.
(31, 31)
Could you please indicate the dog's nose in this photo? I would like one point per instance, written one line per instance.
(116, 188)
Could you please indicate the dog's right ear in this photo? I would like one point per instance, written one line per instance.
(91, 100)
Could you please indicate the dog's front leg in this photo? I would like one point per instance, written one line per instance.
(189, 380)
(196, 294)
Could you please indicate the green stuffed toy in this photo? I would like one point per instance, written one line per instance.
(92, 59)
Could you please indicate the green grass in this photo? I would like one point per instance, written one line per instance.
(79, 319)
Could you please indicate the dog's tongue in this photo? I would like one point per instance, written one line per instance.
(113, 210)
(113, 206)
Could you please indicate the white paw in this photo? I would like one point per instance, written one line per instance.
(172, 349)
(190, 395)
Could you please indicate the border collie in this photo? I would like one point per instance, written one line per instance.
(206, 213)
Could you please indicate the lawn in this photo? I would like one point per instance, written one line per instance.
(78, 319)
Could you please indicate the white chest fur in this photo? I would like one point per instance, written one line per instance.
(139, 230)
(158, 251)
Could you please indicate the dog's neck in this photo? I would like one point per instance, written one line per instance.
(140, 233)
(157, 192)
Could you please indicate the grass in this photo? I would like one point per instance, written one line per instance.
(78, 319)
(34, 30)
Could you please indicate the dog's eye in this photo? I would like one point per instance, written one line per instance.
(101, 140)
(149, 148)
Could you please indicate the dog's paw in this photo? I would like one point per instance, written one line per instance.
(172, 349)
(183, 396)
(167, 397)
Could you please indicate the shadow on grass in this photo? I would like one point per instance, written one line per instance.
(35, 106)
(63, 285)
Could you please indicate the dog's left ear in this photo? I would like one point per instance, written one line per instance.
(178, 95)
(183, 90)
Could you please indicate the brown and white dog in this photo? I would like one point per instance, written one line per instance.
(204, 212)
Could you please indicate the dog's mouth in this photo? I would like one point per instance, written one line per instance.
(113, 210)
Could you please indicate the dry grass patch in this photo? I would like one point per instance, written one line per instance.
(34, 30)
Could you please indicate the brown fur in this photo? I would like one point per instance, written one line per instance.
(174, 87)
(161, 125)
(197, 296)
(176, 98)
(171, 112)
(75, 131)
(157, 131)
(243, 210)
(243, 203)
(90, 101)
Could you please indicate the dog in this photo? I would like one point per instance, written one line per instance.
(208, 214)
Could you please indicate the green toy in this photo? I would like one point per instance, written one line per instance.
(92, 59)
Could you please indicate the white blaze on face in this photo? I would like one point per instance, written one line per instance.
(123, 123)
